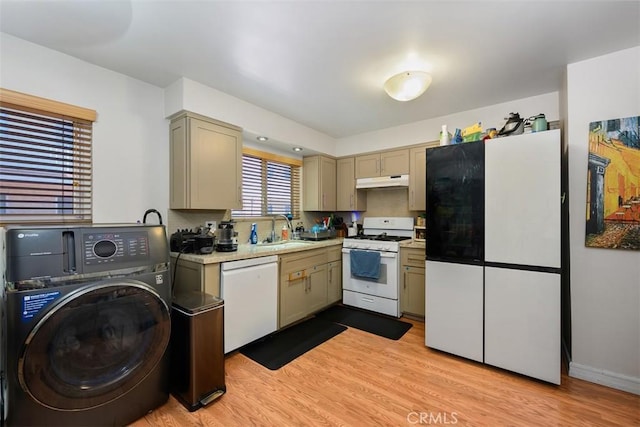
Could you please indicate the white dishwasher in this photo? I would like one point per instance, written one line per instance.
(249, 288)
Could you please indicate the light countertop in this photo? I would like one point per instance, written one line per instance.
(246, 251)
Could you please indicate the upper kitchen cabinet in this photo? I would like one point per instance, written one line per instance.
(387, 163)
(319, 180)
(349, 199)
(206, 163)
(418, 177)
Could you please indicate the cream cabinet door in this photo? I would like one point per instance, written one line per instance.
(413, 298)
(205, 163)
(348, 198)
(328, 184)
(216, 166)
(293, 297)
(334, 274)
(368, 166)
(394, 162)
(179, 183)
(319, 180)
(316, 288)
(418, 178)
(193, 276)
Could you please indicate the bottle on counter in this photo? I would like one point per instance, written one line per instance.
(253, 237)
(285, 233)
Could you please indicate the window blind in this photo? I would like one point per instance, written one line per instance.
(268, 188)
(45, 166)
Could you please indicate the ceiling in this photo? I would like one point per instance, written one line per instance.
(323, 63)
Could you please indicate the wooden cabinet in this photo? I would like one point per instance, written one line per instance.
(418, 178)
(204, 154)
(334, 274)
(319, 180)
(348, 198)
(303, 285)
(394, 162)
(412, 281)
(193, 276)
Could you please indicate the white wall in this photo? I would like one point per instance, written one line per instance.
(131, 137)
(429, 130)
(605, 283)
(186, 94)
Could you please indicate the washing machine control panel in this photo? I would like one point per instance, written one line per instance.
(104, 248)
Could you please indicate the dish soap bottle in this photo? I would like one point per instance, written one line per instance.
(285, 232)
(253, 238)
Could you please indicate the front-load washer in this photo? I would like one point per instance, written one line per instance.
(87, 324)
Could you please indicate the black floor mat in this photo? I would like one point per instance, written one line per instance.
(277, 350)
(366, 321)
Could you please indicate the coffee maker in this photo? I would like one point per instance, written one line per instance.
(226, 237)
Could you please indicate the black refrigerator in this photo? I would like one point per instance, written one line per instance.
(455, 203)
(455, 249)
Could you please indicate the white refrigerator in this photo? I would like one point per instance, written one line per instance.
(522, 254)
(505, 309)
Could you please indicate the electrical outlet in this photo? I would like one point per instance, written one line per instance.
(211, 224)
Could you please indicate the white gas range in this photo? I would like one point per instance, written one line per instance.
(373, 282)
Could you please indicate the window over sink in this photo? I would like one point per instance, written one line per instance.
(270, 185)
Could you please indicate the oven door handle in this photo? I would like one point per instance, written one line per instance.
(382, 254)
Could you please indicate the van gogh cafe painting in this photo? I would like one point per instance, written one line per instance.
(613, 184)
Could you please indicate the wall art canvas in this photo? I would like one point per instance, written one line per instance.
(613, 184)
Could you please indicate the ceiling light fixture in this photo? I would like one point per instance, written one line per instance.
(262, 138)
(407, 85)
(297, 148)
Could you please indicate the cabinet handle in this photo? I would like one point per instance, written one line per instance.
(330, 275)
(404, 279)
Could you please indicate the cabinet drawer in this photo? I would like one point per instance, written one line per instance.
(412, 257)
(302, 260)
(334, 253)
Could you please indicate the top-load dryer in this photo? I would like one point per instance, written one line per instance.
(87, 324)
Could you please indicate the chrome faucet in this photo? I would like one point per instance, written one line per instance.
(273, 225)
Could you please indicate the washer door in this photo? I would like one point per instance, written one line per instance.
(95, 346)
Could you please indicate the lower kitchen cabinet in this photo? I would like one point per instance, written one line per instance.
(412, 281)
(303, 285)
(334, 274)
(194, 276)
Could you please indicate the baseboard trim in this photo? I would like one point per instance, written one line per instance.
(606, 378)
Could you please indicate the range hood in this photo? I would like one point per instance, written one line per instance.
(383, 182)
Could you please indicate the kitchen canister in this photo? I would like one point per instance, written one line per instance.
(538, 123)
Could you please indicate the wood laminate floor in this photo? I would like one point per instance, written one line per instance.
(359, 379)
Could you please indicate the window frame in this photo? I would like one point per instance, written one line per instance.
(266, 157)
(69, 135)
